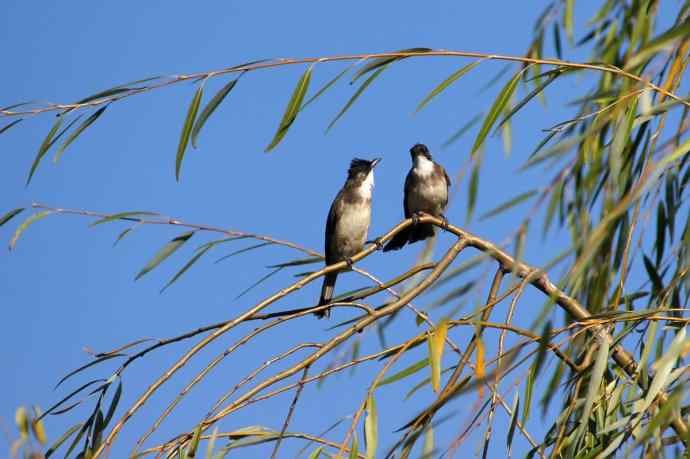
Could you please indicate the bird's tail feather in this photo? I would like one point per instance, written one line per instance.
(421, 231)
(399, 240)
(326, 294)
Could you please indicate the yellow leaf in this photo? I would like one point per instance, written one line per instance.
(38, 428)
(22, 421)
(436, 342)
(480, 368)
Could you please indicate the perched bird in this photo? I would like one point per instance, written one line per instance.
(426, 190)
(348, 222)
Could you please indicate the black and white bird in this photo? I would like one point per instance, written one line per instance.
(426, 190)
(348, 221)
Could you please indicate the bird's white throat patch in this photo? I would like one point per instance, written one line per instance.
(422, 166)
(367, 185)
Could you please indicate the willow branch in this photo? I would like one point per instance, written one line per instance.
(281, 62)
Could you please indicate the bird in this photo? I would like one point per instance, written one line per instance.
(426, 190)
(347, 224)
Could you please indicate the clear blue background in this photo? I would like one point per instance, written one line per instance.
(65, 288)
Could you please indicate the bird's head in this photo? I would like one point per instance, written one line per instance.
(361, 168)
(420, 150)
(361, 173)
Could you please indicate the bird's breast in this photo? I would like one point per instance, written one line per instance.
(428, 194)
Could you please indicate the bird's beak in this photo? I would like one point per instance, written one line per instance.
(374, 162)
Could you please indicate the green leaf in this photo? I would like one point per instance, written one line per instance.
(371, 429)
(356, 95)
(529, 388)
(211, 107)
(62, 439)
(568, 20)
(292, 108)
(43, 149)
(316, 453)
(412, 369)
(385, 61)
(513, 422)
(663, 41)
(10, 215)
(113, 404)
(354, 449)
(211, 443)
(165, 252)
(472, 194)
(246, 249)
(187, 265)
(107, 93)
(259, 282)
(463, 130)
(187, 129)
(536, 91)
(663, 368)
(194, 443)
(298, 262)
(557, 40)
(496, 109)
(508, 204)
(122, 216)
(447, 82)
(595, 380)
(82, 127)
(10, 125)
(84, 367)
(121, 236)
(35, 217)
(325, 87)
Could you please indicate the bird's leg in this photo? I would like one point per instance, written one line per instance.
(415, 218)
(349, 262)
(377, 242)
(444, 220)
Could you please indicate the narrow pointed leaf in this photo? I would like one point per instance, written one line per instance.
(122, 216)
(246, 249)
(354, 449)
(10, 215)
(663, 41)
(165, 252)
(412, 369)
(121, 236)
(298, 262)
(316, 453)
(292, 108)
(82, 127)
(113, 404)
(385, 61)
(356, 95)
(106, 93)
(187, 129)
(371, 428)
(536, 91)
(10, 125)
(480, 368)
(496, 109)
(26, 224)
(259, 282)
(595, 381)
(210, 108)
(437, 341)
(187, 265)
(463, 130)
(508, 204)
(455, 76)
(513, 422)
(43, 149)
(325, 87)
(472, 194)
(194, 443)
(62, 439)
(84, 367)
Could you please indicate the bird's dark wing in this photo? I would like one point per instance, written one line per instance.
(409, 184)
(448, 182)
(331, 221)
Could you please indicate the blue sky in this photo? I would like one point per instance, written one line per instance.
(65, 287)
